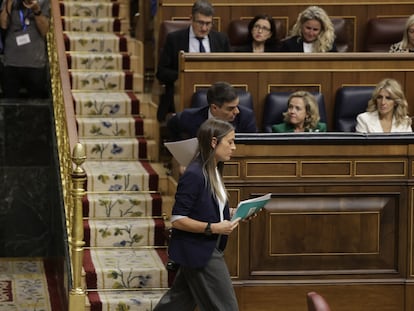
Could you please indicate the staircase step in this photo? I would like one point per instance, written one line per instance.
(122, 205)
(165, 181)
(98, 61)
(124, 232)
(132, 300)
(91, 24)
(117, 149)
(101, 9)
(153, 150)
(105, 80)
(106, 103)
(95, 42)
(167, 205)
(120, 176)
(117, 268)
(147, 108)
(106, 127)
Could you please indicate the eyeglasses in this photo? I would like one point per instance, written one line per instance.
(261, 28)
(203, 23)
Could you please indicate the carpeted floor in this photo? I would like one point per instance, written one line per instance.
(27, 284)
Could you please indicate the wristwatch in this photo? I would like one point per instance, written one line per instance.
(207, 230)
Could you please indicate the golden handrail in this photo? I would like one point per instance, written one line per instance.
(72, 178)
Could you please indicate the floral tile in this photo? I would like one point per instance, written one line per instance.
(121, 232)
(110, 149)
(120, 205)
(98, 80)
(128, 268)
(102, 127)
(88, 8)
(102, 103)
(128, 300)
(96, 61)
(116, 176)
(93, 42)
(89, 24)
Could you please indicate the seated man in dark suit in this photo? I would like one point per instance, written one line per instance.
(199, 37)
(223, 103)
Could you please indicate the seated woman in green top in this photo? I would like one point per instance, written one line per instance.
(302, 115)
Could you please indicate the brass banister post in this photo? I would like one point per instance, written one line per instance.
(77, 293)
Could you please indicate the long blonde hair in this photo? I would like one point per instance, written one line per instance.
(401, 106)
(210, 129)
(408, 24)
(326, 37)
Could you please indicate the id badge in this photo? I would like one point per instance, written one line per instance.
(23, 39)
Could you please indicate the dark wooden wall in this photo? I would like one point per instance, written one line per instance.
(339, 222)
(356, 13)
(278, 72)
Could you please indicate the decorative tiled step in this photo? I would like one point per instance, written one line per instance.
(91, 24)
(166, 183)
(97, 9)
(105, 127)
(117, 149)
(131, 300)
(95, 42)
(98, 61)
(124, 232)
(105, 80)
(117, 127)
(117, 268)
(122, 205)
(120, 176)
(106, 103)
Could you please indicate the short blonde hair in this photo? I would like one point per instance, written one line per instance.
(311, 107)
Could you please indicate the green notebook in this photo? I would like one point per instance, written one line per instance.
(248, 207)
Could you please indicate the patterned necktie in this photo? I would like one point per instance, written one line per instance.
(202, 49)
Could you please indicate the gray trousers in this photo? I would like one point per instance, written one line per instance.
(210, 288)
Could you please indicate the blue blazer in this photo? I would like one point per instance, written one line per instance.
(190, 119)
(295, 44)
(194, 199)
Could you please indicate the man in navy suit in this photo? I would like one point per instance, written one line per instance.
(199, 37)
(223, 104)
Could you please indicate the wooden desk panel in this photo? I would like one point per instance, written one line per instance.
(272, 72)
(345, 229)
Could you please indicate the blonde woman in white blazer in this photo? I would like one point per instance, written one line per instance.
(387, 110)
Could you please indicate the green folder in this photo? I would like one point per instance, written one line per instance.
(248, 207)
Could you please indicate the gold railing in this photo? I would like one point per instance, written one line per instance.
(72, 178)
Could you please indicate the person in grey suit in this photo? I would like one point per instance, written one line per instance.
(198, 37)
(201, 225)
